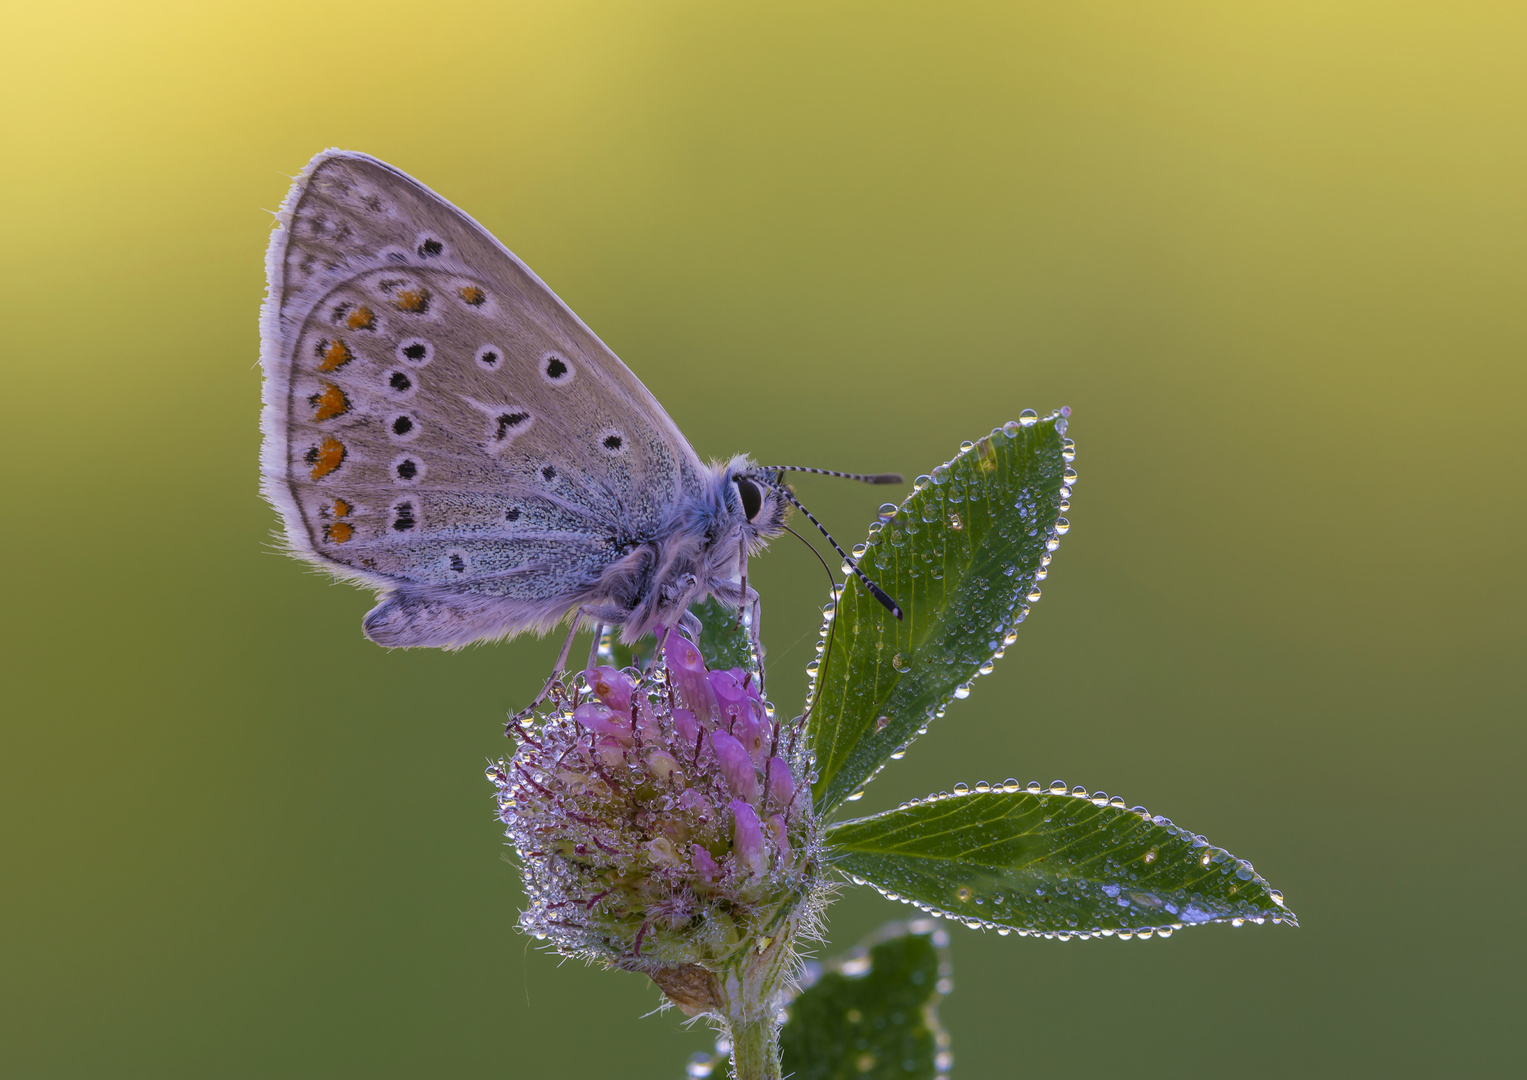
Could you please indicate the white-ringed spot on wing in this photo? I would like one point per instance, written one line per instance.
(556, 369)
(512, 514)
(430, 247)
(415, 351)
(456, 562)
(400, 383)
(403, 516)
(472, 295)
(407, 469)
(402, 427)
(612, 443)
(548, 473)
(490, 357)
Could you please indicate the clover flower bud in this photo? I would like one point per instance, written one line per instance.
(601, 721)
(705, 866)
(686, 670)
(778, 832)
(736, 766)
(781, 784)
(688, 730)
(649, 837)
(611, 687)
(748, 839)
(662, 765)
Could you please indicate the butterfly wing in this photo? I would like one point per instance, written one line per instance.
(437, 423)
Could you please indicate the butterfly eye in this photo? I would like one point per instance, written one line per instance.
(752, 498)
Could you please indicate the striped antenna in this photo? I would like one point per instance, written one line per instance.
(875, 590)
(863, 478)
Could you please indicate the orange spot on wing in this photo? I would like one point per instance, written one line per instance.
(329, 402)
(325, 457)
(336, 354)
(471, 294)
(341, 508)
(413, 301)
(362, 318)
(338, 532)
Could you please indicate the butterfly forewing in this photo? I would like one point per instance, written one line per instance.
(434, 415)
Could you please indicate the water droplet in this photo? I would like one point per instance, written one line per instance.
(1069, 476)
(1058, 787)
(966, 447)
(859, 549)
(1010, 429)
(921, 482)
(988, 667)
(1033, 595)
(982, 786)
(1062, 527)
(887, 511)
(955, 523)
(962, 691)
(813, 667)
(899, 662)
(856, 796)
(941, 475)
(1275, 896)
(1028, 418)
(1010, 637)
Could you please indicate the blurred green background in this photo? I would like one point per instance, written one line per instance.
(1272, 254)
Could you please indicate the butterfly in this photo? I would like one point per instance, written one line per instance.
(439, 426)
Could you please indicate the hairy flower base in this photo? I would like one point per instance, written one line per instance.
(663, 824)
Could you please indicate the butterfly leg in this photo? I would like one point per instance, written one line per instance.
(554, 683)
(594, 647)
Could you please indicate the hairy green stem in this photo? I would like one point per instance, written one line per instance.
(755, 1049)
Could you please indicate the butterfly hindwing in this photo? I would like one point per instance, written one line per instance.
(435, 418)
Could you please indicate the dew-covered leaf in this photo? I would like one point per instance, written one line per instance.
(963, 557)
(723, 641)
(1044, 861)
(874, 1012)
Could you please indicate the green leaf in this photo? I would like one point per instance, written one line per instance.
(962, 557)
(874, 1012)
(723, 641)
(1045, 861)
